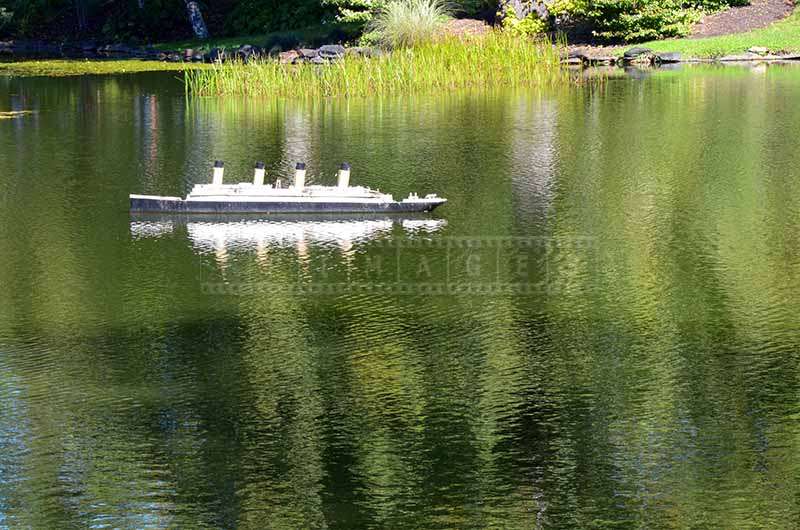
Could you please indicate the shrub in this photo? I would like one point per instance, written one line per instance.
(250, 17)
(527, 27)
(475, 8)
(402, 23)
(369, 38)
(352, 11)
(638, 20)
(285, 40)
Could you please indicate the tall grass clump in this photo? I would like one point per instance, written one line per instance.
(493, 60)
(403, 23)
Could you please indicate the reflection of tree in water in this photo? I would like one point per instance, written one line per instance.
(148, 125)
(656, 387)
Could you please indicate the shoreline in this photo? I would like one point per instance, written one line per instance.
(648, 57)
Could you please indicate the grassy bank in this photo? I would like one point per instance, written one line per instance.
(63, 68)
(783, 35)
(494, 60)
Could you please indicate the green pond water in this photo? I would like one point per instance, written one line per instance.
(600, 329)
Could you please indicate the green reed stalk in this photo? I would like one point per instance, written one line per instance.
(493, 60)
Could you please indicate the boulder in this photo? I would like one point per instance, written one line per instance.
(635, 52)
(601, 61)
(573, 54)
(740, 58)
(638, 55)
(668, 57)
(331, 52)
(149, 51)
(217, 55)
(317, 60)
(307, 53)
(359, 51)
(117, 49)
(290, 57)
(248, 52)
(574, 57)
(759, 50)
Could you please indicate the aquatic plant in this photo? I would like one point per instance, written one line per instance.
(63, 68)
(14, 114)
(494, 60)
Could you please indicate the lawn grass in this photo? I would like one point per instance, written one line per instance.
(497, 59)
(64, 68)
(782, 36)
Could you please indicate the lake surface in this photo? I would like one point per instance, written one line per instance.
(600, 329)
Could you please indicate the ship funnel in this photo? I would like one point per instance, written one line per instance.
(300, 175)
(258, 179)
(344, 175)
(219, 171)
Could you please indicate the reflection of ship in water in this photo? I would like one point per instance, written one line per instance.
(216, 236)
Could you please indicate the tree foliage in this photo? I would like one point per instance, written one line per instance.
(158, 20)
(249, 17)
(637, 20)
(104, 19)
(359, 11)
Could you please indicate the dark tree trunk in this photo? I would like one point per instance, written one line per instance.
(80, 15)
(196, 18)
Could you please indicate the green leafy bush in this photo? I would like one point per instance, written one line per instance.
(28, 17)
(351, 11)
(527, 27)
(249, 17)
(474, 8)
(98, 19)
(638, 20)
(126, 21)
(402, 23)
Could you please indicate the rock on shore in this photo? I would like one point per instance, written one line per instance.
(588, 56)
(245, 53)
